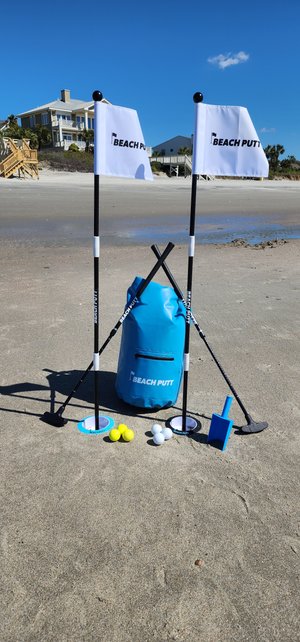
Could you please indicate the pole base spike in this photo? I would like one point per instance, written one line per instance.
(54, 419)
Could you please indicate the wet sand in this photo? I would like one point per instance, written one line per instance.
(99, 540)
(58, 208)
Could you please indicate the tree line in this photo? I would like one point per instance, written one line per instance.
(40, 137)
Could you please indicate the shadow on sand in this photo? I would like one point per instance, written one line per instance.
(63, 382)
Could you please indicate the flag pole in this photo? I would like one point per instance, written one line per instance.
(184, 425)
(97, 97)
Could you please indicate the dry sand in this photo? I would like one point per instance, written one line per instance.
(99, 540)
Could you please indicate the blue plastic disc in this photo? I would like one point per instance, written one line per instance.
(87, 425)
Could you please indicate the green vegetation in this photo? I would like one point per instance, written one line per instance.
(185, 151)
(76, 161)
(287, 168)
(73, 148)
(38, 137)
(88, 137)
(70, 161)
(156, 167)
(272, 153)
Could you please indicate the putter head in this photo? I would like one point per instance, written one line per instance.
(253, 426)
(54, 419)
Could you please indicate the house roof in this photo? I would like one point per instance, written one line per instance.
(59, 105)
(178, 139)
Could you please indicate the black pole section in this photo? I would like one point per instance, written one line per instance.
(96, 301)
(97, 97)
(55, 418)
(198, 97)
(178, 292)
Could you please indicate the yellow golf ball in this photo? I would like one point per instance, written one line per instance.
(122, 428)
(128, 434)
(114, 434)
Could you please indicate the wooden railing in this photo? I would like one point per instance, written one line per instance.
(21, 159)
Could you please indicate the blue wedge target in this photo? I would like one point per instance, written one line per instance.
(220, 427)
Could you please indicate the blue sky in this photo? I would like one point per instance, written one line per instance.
(153, 56)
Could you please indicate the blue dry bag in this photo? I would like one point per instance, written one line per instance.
(151, 350)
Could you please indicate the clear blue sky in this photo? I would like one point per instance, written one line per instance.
(153, 56)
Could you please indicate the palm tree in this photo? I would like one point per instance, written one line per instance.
(272, 153)
(12, 119)
(88, 137)
(286, 163)
(185, 151)
(13, 129)
(43, 135)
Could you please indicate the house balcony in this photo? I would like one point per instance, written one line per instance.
(65, 144)
(67, 124)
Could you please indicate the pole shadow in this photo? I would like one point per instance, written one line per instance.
(64, 381)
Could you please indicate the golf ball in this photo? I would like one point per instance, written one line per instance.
(167, 433)
(114, 434)
(156, 428)
(128, 434)
(158, 438)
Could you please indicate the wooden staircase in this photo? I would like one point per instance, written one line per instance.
(19, 158)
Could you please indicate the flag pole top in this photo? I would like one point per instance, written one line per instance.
(97, 95)
(198, 97)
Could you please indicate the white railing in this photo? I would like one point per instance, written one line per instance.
(67, 124)
(65, 144)
(174, 160)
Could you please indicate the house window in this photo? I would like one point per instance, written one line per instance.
(45, 118)
(32, 121)
(67, 137)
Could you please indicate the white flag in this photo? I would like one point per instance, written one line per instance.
(119, 145)
(226, 143)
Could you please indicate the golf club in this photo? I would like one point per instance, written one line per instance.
(251, 426)
(55, 418)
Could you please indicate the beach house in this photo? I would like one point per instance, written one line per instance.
(173, 145)
(66, 118)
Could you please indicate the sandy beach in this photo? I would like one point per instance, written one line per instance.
(58, 207)
(99, 540)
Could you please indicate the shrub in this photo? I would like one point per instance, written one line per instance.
(155, 166)
(73, 148)
(67, 161)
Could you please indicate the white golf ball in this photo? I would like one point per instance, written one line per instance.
(167, 433)
(158, 438)
(156, 428)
